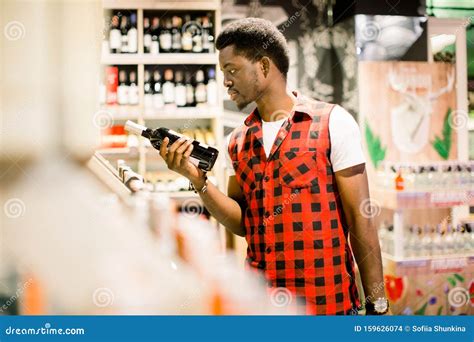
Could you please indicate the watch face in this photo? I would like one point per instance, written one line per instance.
(380, 305)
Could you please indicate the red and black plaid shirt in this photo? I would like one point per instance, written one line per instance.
(294, 221)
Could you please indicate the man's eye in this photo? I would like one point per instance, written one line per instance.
(232, 71)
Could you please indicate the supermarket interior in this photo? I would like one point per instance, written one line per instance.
(94, 220)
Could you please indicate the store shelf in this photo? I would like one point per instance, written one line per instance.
(163, 59)
(118, 151)
(196, 5)
(120, 112)
(188, 113)
(392, 199)
(423, 259)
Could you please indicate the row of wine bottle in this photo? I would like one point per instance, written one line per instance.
(177, 34)
(173, 87)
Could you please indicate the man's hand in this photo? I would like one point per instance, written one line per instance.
(177, 159)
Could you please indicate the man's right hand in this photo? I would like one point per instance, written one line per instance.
(177, 159)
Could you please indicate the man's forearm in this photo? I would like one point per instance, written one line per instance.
(366, 250)
(223, 208)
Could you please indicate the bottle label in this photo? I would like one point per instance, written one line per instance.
(155, 47)
(133, 95)
(115, 39)
(201, 95)
(132, 40)
(180, 96)
(122, 95)
(168, 92)
(165, 41)
(187, 42)
(147, 40)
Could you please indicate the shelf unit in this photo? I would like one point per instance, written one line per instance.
(168, 115)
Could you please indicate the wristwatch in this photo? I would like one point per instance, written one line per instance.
(203, 189)
(378, 307)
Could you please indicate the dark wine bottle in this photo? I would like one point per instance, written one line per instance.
(203, 156)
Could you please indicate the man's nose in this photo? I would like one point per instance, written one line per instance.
(228, 83)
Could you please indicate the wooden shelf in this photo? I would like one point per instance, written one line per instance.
(161, 59)
(188, 113)
(425, 258)
(394, 200)
(192, 5)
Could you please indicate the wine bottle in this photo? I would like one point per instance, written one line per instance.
(176, 34)
(201, 91)
(124, 33)
(146, 35)
(148, 90)
(158, 101)
(133, 34)
(211, 87)
(189, 89)
(115, 37)
(187, 36)
(197, 38)
(155, 36)
(203, 156)
(180, 90)
(165, 37)
(133, 89)
(169, 87)
(122, 91)
(207, 36)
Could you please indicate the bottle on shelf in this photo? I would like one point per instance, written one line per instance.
(169, 88)
(146, 35)
(207, 35)
(133, 34)
(187, 36)
(448, 242)
(211, 87)
(102, 93)
(409, 243)
(115, 37)
(123, 88)
(202, 156)
(155, 36)
(200, 91)
(426, 241)
(124, 34)
(189, 89)
(166, 39)
(176, 34)
(399, 181)
(390, 240)
(197, 37)
(180, 90)
(158, 101)
(210, 140)
(148, 90)
(382, 235)
(111, 76)
(133, 89)
(438, 248)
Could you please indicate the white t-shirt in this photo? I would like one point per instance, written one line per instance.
(346, 144)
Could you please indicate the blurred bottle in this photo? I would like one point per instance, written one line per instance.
(132, 34)
(148, 90)
(124, 34)
(211, 87)
(155, 36)
(169, 87)
(123, 88)
(133, 89)
(158, 100)
(146, 35)
(115, 37)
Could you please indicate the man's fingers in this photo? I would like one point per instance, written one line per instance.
(172, 152)
(164, 148)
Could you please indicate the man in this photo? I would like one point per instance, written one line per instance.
(300, 185)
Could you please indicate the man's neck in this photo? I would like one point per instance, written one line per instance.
(275, 104)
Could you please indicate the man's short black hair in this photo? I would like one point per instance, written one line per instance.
(255, 38)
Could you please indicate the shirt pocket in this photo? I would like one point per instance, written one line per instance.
(298, 169)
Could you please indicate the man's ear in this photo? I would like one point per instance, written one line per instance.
(265, 66)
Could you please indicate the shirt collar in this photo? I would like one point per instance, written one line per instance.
(301, 107)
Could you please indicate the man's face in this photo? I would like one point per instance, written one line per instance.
(243, 78)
